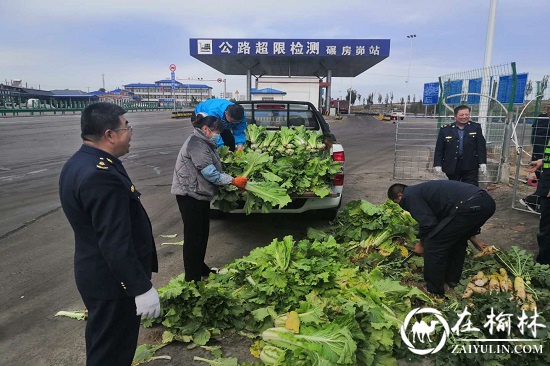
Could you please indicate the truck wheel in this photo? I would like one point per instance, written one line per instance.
(402, 118)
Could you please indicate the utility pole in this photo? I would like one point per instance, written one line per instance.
(485, 84)
(103, 78)
(410, 36)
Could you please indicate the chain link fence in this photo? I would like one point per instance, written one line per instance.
(531, 136)
(481, 90)
(415, 144)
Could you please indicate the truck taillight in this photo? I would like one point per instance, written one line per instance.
(339, 178)
(339, 156)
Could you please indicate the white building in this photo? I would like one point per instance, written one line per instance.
(161, 92)
(296, 88)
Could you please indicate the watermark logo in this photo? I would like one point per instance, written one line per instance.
(422, 332)
(420, 335)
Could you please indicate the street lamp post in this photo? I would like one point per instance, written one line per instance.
(410, 36)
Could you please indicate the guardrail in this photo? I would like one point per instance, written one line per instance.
(63, 107)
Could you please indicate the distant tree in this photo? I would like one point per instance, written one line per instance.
(379, 98)
(351, 96)
(386, 99)
(391, 98)
(544, 84)
(370, 99)
(528, 89)
(414, 98)
(359, 98)
(408, 99)
(102, 90)
(402, 100)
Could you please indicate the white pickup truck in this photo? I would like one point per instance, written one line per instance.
(275, 114)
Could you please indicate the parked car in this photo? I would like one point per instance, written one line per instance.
(397, 112)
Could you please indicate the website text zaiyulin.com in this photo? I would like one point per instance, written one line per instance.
(497, 348)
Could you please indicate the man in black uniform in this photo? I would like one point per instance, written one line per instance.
(543, 191)
(460, 150)
(114, 247)
(540, 135)
(448, 213)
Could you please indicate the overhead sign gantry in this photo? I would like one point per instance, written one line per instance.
(323, 58)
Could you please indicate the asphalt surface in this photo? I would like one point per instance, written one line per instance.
(36, 241)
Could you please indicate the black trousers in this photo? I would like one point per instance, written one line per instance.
(466, 176)
(543, 237)
(111, 332)
(196, 227)
(444, 253)
(228, 139)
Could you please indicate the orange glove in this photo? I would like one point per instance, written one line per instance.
(239, 182)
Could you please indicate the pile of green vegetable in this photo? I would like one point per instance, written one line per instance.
(279, 164)
(334, 298)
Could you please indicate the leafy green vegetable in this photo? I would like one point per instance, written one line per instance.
(332, 342)
(269, 192)
(77, 314)
(146, 352)
(223, 361)
(349, 313)
(283, 157)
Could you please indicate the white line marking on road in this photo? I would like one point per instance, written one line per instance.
(37, 171)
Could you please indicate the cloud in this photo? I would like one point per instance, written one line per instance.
(70, 44)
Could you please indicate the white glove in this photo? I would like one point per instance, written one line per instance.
(482, 168)
(148, 304)
(438, 170)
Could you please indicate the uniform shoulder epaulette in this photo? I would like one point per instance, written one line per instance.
(101, 164)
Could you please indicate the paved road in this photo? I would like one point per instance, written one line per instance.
(36, 243)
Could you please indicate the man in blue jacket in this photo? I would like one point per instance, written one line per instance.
(114, 247)
(233, 119)
(461, 150)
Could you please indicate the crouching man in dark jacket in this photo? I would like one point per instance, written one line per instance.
(448, 213)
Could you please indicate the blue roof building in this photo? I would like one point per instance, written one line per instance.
(267, 94)
(161, 92)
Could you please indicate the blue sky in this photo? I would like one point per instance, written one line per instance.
(59, 44)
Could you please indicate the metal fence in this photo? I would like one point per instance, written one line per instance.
(531, 136)
(73, 106)
(479, 89)
(415, 144)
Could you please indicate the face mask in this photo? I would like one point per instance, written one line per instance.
(215, 138)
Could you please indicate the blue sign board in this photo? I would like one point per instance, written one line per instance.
(290, 47)
(452, 88)
(505, 88)
(173, 83)
(474, 86)
(431, 93)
